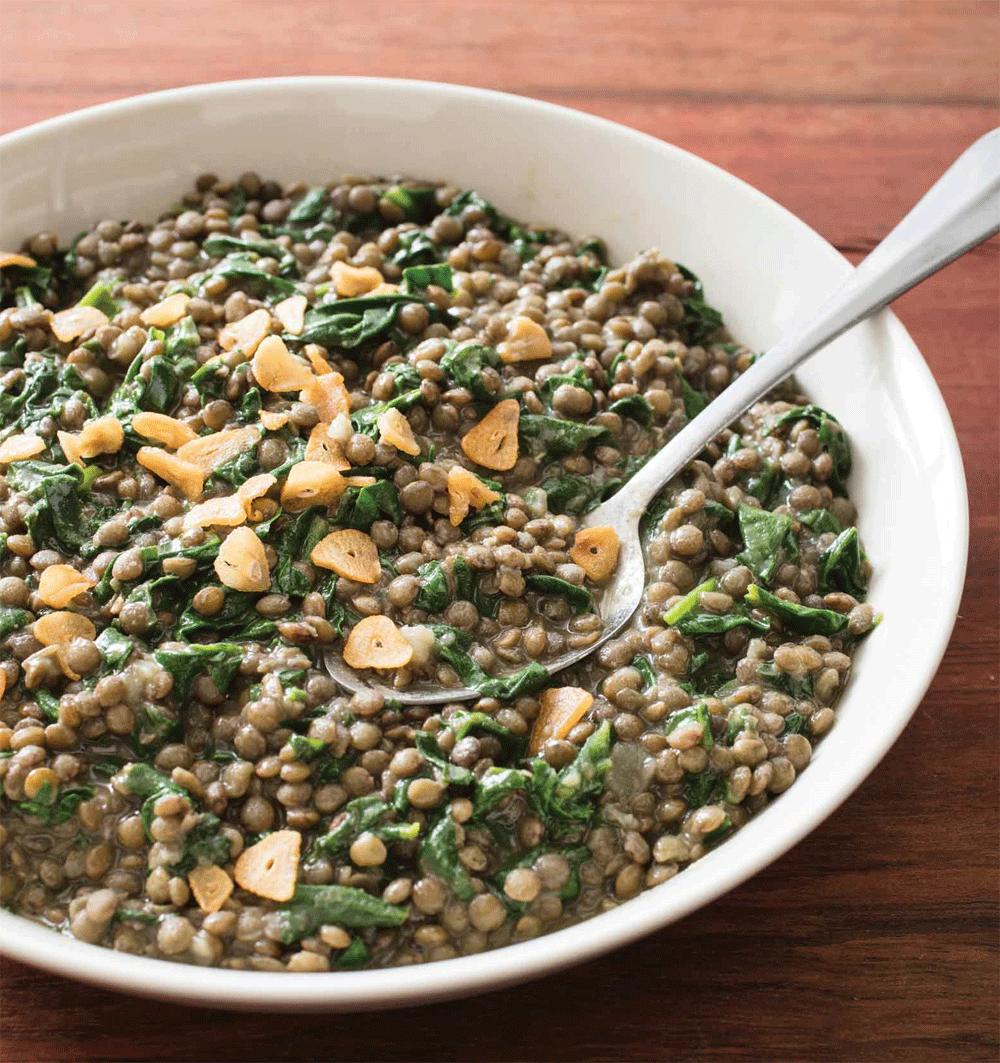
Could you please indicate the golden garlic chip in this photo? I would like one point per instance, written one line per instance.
(20, 447)
(311, 483)
(226, 511)
(291, 313)
(276, 370)
(54, 629)
(493, 442)
(376, 642)
(219, 448)
(211, 887)
(70, 324)
(183, 474)
(395, 429)
(465, 489)
(167, 311)
(103, 436)
(349, 281)
(271, 867)
(251, 491)
(15, 258)
(246, 334)
(561, 709)
(327, 393)
(242, 563)
(595, 550)
(273, 421)
(526, 341)
(349, 553)
(58, 585)
(323, 447)
(163, 428)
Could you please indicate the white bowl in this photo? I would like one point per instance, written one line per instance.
(761, 266)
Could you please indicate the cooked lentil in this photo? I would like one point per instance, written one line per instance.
(169, 719)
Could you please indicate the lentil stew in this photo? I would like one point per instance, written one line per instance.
(367, 417)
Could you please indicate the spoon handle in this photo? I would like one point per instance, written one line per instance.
(961, 210)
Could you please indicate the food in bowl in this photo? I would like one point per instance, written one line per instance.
(367, 418)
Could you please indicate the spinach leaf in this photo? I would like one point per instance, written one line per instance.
(494, 785)
(115, 646)
(56, 518)
(720, 512)
(799, 618)
(768, 541)
(48, 703)
(51, 810)
(415, 248)
(439, 856)
(463, 364)
(644, 666)
(635, 406)
(704, 788)
(764, 482)
(360, 507)
(467, 589)
(154, 728)
(568, 799)
(433, 596)
(365, 420)
(418, 203)
(354, 956)
(821, 521)
(557, 438)
(831, 435)
(739, 720)
(690, 600)
(221, 244)
(204, 844)
(697, 713)
(464, 723)
(570, 493)
(237, 617)
(148, 785)
(503, 688)
(314, 906)
(694, 400)
(12, 620)
(417, 279)
(792, 685)
(840, 565)
(795, 724)
(577, 377)
(716, 623)
(99, 296)
(406, 376)
(294, 546)
(579, 598)
(701, 321)
(358, 816)
(221, 660)
(309, 207)
(345, 324)
(242, 269)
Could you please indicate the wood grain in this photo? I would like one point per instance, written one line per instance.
(876, 938)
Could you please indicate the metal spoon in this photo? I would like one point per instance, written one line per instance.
(960, 211)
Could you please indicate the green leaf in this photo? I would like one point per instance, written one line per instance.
(576, 377)
(310, 206)
(221, 244)
(644, 666)
(504, 688)
(635, 406)
(354, 956)
(221, 660)
(417, 279)
(578, 597)
(99, 296)
(314, 906)
(115, 647)
(463, 364)
(701, 321)
(768, 541)
(840, 565)
(694, 400)
(831, 435)
(360, 507)
(241, 269)
(704, 788)
(795, 724)
(699, 714)
(556, 438)
(433, 596)
(439, 856)
(821, 521)
(799, 618)
(690, 600)
(203, 845)
(148, 785)
(346, 324)
(51, 810)
(354, 819)
(716, 623)
(12, 620)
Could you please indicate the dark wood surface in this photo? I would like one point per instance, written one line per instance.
(876, 938)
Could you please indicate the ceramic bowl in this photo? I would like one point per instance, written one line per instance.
(545, 164)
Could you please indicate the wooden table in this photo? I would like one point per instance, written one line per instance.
(876, 938)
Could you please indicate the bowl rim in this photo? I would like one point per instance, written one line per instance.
(370, 990)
